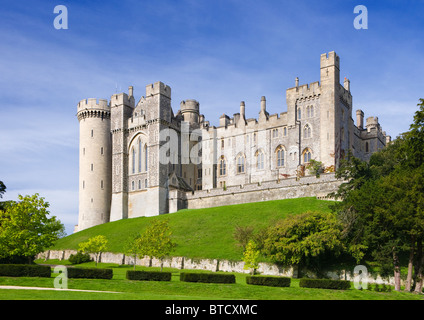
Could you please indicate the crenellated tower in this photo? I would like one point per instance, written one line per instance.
(95, 181)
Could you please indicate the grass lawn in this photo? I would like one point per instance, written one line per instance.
(176, 290)
(201, 233)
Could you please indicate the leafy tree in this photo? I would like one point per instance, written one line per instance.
(134, 248)
(315, 167)
(243, 234)
(304, 240)
(26, 229)
(156, 240)
(250, 257)
(95, 245)
(2, 189)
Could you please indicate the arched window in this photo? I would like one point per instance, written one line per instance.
(310, 111)
(240, 163)
(146, 162)
(299, 113)
(133, 160)
(280, 156)
(140, 158)
(260, 159)
(222, 166)
(307, 155)
(307, 133)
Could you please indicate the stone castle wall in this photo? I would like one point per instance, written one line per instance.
(289, 188)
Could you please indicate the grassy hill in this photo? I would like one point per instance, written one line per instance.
(201, 233)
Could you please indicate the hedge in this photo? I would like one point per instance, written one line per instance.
(24, 270)
(268, 281)
(90, 273)
(148, 275)
(207, 277)
(324, 284)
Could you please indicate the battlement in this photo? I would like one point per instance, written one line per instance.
(372, 123)
(189, 105)
(122, 98)
(307, 90)
(330, 59)
(158, 88)
(93, 103)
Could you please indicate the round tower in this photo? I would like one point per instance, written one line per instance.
(95, 163)
(190, 110)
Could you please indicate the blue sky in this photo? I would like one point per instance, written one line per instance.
(217, 52)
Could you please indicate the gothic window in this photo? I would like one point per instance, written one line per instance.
(140, 149)
(307, 154)
(299, 113)
(145, 158)
(222, 143)
(274, 133)
(280, 156)
(307, 133)
(240, 164)
(133, 160)
(222, 166)
(310, 111)
(132, 185)
(285, 131)
(260, 158)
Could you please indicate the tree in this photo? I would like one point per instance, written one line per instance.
(134, 247)
(2, 189)
(156, 240)
(304, 240)
(95, 245)
(315, 167)
(243, 234)
(250, 257)
(26, 229)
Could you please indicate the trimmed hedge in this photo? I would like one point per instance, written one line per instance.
(148, 275)
(24, 270)
(324, 284)
(268, 281)
(207, 277)
(90, 273)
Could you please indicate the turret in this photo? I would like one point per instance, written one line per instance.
(360, 119)
(95, 182)
(190, 111)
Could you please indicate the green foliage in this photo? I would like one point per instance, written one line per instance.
(207, 277)
(2, 189)
(242, 234)
(303, 239)
(79, 258)
(26, 229)
(315, 167)
(250, 257)
(148, 275)
(156, 241)
(269, 281)
(96, 245)
(89, 273)
(324, 284)
(24, 270)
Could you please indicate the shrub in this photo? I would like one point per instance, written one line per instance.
(207, 277)
(90, 273)
(148, 275)
(268, 281)
(24, 270)
(324, 284)
(79, 257)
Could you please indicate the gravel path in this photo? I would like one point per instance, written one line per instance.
(40, 288)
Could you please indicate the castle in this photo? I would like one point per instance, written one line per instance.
(141, 159)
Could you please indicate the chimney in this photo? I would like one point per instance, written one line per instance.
(297, 81)
(360, 119)
(346, 84)
(263, 104)
(130, 91)
(242, 110)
